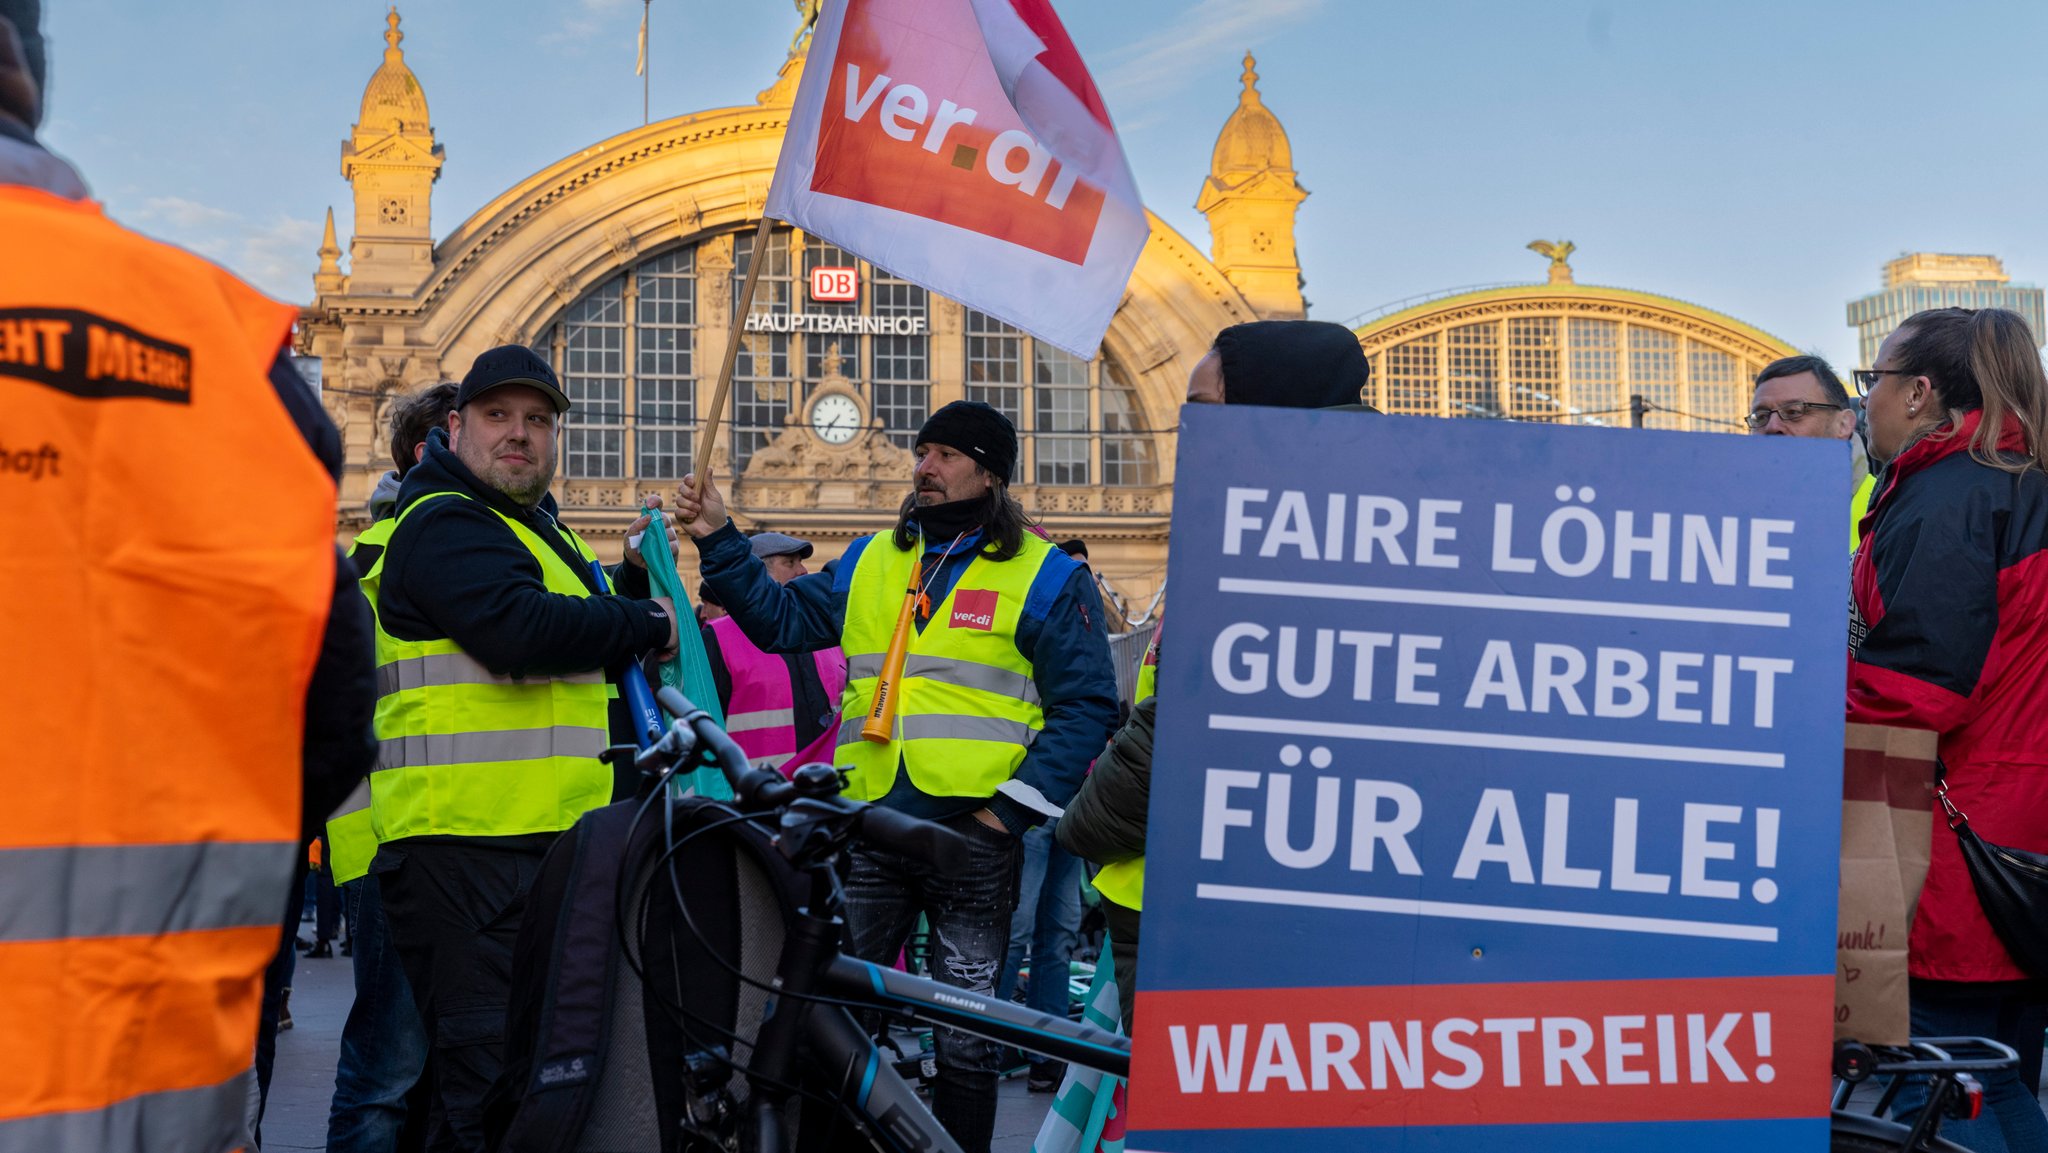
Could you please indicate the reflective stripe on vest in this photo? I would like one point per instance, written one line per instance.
(761, 714)
(1859, 507)
(967, 708)
(462, 751)
(205, 1119)
(169, 570)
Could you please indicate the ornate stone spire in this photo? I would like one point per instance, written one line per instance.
(1250, 198)
(391, 161)
(329, 278)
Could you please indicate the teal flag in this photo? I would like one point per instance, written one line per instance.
(689, 671)
(1087, 1115)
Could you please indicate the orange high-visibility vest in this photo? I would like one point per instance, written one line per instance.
(167, 566)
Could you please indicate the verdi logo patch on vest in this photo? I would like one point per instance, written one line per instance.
(92, 357)
(974, 609)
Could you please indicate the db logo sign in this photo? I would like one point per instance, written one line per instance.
(835, 284)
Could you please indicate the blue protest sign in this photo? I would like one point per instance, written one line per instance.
(1496, 790)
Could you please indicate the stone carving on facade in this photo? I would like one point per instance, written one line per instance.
(688, 216)
(560, 282)
(623, 245)
(509, 333)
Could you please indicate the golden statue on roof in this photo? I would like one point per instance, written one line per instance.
(807, 19)
(1559, 251)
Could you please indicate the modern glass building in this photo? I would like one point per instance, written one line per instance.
(1918, 281)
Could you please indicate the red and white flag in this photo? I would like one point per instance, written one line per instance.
(961, 144)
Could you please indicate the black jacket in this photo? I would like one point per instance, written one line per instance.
(453, 571)
(338, 746)
(1105, 822)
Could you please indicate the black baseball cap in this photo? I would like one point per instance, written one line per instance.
(511, 364)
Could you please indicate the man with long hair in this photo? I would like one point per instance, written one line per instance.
(1006, 694)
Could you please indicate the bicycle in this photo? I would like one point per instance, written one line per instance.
(775, 1054)
(1952, 1093)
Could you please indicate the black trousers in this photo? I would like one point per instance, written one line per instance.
(453, 908)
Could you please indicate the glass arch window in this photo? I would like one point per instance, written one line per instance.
(1080, 422)
(1554, 366)
(629, 357)
(631, 386)
(776, 371)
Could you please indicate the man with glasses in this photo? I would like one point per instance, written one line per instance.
(1802, 396)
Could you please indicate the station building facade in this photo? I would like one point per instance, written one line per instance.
(623, 263)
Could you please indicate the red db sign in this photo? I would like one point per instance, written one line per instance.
(835, 284)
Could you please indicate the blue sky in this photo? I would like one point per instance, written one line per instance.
(1759, 158)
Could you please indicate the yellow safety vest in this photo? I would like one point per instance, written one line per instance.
(351, 836)
(1859, 505)
(463, 751)
(1124, 881)
(967, 708)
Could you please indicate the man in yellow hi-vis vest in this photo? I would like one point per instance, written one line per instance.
(1007, 694)
(1802, 396)
(496, 649)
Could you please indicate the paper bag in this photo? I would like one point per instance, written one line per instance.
(1887, 830)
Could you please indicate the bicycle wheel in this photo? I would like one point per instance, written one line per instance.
(1859, 1133)
(739, 894)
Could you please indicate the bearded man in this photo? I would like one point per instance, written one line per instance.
(1006, 696)
(496, 643)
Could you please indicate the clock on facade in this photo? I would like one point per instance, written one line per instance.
(835, 418)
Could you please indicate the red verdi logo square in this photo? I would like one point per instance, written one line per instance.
(974, 609)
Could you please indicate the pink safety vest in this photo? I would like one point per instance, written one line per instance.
(762, 713)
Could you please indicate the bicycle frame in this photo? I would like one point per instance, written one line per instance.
(883, 1104)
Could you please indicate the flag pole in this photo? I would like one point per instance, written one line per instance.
(646, 73)
(707, 442)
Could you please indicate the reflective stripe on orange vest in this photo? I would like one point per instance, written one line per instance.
(168, 578)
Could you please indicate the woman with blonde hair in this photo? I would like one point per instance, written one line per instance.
(1951, 634)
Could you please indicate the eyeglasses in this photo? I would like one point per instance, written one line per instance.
(1867, 378)
(1791, 412)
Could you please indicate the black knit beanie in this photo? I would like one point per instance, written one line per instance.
(979, 430)
(1292, 364)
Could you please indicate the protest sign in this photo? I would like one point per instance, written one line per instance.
(962, 145)
(1497, 789)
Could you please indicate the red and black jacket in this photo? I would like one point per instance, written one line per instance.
(1952, 584)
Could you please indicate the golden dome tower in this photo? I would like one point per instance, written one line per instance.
(391, 161)
(1250, 198)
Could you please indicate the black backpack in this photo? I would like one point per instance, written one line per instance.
(596, 1056)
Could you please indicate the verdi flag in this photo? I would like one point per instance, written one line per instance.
(961, 144)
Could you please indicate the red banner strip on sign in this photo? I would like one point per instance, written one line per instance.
(1555, 1052)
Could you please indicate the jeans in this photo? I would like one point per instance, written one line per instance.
(277, 981)
(969, 914)
(2014, 1012)
(383, 1045)
(326, 906)
(1048, 919)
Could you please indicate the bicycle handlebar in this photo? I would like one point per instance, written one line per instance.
(916, 838)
